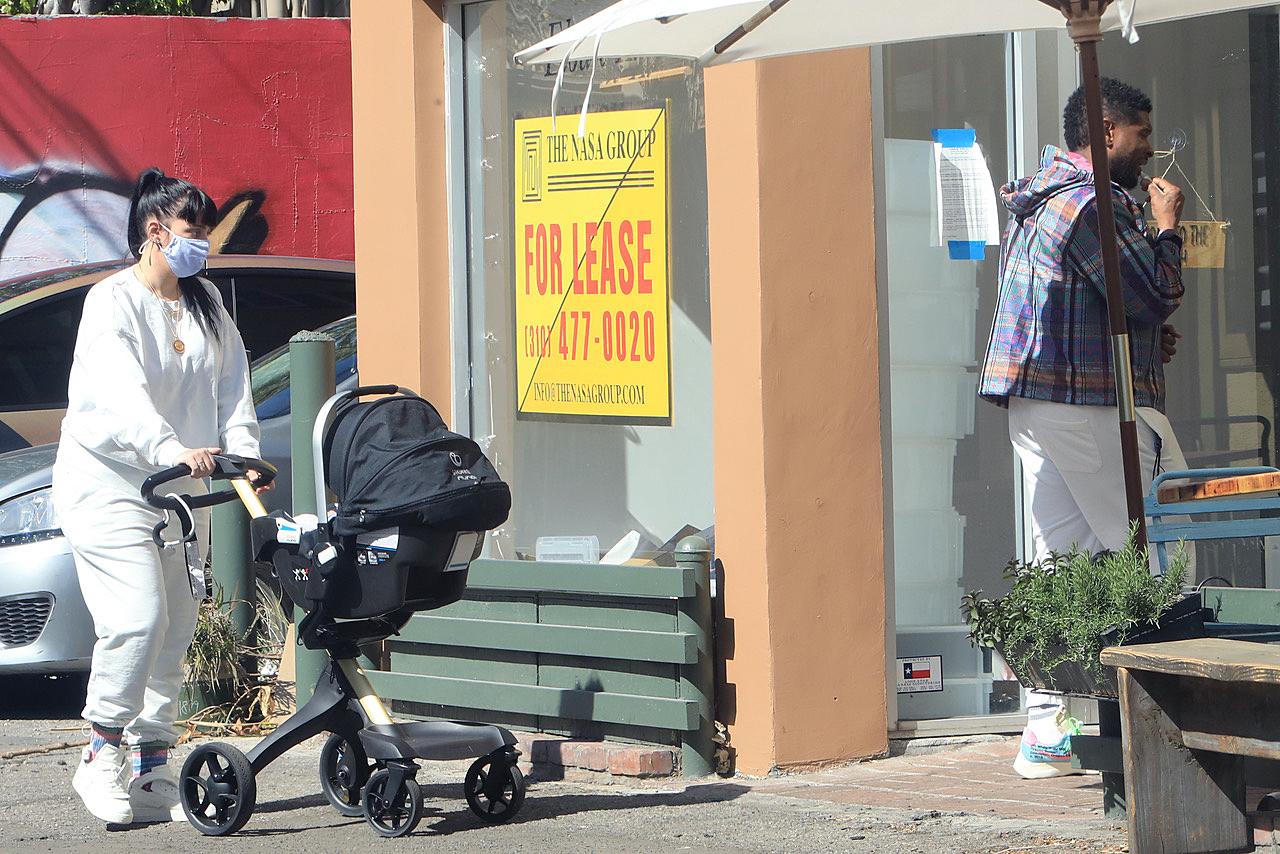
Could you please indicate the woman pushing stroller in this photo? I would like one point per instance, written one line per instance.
(159, 378)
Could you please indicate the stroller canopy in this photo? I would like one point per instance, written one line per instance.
(392, 461)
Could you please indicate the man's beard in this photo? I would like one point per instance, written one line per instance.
(1126, 172)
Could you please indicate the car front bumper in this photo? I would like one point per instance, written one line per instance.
(44, 625)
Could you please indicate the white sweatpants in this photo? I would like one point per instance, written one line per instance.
(138, 594)
(1073, 480)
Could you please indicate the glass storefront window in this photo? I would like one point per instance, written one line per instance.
(572, 477)
(1215, 85)
(953, 479)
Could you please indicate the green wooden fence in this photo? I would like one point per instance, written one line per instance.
(583, 650)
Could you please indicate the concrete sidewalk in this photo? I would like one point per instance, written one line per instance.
(960, 799)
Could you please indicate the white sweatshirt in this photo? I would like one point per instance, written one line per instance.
(134, 400)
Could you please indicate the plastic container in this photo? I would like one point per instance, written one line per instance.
(567, 549)
(923, 474)
(932, 402)
(933, 327)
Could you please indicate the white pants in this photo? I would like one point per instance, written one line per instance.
(138, 594)
(1073, 480)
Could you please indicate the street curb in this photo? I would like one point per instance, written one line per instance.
(936, 744)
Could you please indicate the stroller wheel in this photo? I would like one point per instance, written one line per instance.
(494, 787)
(344, 769)
(392, 813)
(217, 789)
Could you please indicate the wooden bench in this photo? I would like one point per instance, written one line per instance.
(1212, 504)
(1220, 487)
(1190, 710)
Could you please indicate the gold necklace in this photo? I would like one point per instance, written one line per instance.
(172, 317)
(172, 312)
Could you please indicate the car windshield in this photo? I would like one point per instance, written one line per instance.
(13, 288)
(271, 372)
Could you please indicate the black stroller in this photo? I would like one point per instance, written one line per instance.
(413, 504)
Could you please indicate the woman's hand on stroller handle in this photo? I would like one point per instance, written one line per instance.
(199, 460)
(259, 473)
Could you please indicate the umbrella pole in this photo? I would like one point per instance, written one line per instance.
(1084, 24)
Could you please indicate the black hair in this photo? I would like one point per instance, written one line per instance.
(1120, 102)
(164, 198)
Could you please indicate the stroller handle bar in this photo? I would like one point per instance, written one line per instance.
(228, 467)
(322, 424)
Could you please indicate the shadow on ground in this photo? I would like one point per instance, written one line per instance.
(542, 803)
(446, 813)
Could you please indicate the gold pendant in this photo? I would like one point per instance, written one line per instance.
(178, 346)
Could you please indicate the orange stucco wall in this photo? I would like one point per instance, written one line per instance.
(799, 507)
(402, 227)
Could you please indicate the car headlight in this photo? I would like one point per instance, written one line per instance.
(28, 518)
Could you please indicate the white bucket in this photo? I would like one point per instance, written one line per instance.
(932, 402)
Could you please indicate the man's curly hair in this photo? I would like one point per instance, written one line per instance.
(1120, 102)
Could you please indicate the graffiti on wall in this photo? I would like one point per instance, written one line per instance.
(257, 115)
(52, 215)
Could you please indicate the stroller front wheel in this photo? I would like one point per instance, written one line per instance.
(344, 770)
(392, 813)
(217, 789)
(494, 787)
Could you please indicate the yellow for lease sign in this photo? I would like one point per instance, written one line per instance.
(592, 292)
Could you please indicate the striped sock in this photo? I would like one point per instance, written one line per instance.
(149, 755)
(103, 735)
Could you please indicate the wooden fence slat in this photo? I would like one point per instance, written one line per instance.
(539, 700)
(639, 582)
(626, 644)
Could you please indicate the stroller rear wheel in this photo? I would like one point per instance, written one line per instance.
(392, 813)
(217, 789)
(494, 787)
(344, 770)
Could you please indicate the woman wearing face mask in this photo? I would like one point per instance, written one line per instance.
(159, 378)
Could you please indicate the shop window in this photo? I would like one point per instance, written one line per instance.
(1213, 86)
(953, 479)
(590, 390)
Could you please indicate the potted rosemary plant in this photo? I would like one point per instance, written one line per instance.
(1062, 611)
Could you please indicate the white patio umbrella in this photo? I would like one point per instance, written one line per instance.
(715, 32)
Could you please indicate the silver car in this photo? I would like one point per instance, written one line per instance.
(44, 626)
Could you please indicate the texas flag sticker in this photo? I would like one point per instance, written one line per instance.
(922, 674)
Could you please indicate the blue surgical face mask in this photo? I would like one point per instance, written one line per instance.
(186, 256)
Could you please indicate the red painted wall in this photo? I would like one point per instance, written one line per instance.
(257, 112)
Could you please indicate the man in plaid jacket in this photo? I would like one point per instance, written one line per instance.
(1049, 358)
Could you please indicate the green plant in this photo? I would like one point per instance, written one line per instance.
(268, 632)
(219, 657)
(19, 7)
(113, 7)
(214, 654)
(1058, 610)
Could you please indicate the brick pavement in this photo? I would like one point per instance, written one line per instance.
(975, 779)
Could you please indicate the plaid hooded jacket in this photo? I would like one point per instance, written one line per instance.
(1050, 338)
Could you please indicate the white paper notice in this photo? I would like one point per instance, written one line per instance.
(966, 197)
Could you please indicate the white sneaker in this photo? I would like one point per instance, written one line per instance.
(100, 784)
(154, 796)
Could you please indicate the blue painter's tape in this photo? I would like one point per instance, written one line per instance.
(955, 137)
(967, 250)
